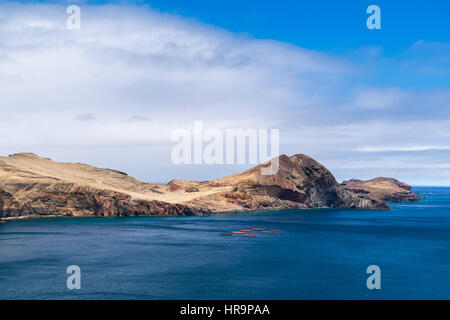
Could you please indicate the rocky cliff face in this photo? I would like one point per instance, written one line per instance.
(35, 186)
(382, 189)
(67, 199)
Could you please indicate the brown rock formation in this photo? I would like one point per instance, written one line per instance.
(300, 182)
(382, 189)
(35, 186)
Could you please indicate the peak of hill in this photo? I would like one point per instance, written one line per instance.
(35, 186)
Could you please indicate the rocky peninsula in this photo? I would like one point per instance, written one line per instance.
(33, 186)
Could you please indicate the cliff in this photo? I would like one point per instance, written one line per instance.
(34, 186)
(382, 189)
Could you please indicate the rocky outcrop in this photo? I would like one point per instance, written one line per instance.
(35, 186)
(382, 189)
(300, 182)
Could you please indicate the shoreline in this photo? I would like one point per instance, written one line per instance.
(30, 217)
(420, 199)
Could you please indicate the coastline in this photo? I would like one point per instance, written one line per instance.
(35, 187)
(249, 212)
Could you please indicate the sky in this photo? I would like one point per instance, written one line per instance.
(365, 103)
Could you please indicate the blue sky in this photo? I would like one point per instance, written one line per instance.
(333, 26)
(364, 102)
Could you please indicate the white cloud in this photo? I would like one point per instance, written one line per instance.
(378, 99)
(126, 61)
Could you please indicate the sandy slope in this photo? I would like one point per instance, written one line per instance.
(28, 167)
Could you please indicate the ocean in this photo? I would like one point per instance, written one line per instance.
(319, 254)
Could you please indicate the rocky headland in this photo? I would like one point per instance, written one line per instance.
(382, 189)
(32, 186)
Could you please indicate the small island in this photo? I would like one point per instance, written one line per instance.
(382, 189)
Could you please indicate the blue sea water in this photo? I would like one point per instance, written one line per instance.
(321, 254)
